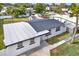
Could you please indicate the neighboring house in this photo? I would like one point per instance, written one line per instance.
(48, 8)
(65, 10)
(38, 16)
(32, 17)
(35, 17)
(24, 36)
(68, 21)
(3, 11)
(30, 11)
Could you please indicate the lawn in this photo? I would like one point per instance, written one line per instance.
(1, 36)
(5, 21)
(57, 38)
(66, 49)
(15, 20)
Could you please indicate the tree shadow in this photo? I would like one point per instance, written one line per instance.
(75, 43)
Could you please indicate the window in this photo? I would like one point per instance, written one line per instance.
(67, 29)
(57, 29)
(63, 25)
(48, 33)
(20, 45)
(32, 41)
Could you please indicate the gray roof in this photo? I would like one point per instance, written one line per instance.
(40, 25)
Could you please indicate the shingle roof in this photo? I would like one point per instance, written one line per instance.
(40, 25)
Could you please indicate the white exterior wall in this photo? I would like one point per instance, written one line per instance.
(12, 50)
(70, 30)
(54, 33)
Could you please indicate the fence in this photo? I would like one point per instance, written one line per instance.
(3, 17)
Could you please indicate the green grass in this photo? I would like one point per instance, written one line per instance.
(57, 38)
(53, 40)
(67, 49)
(15, 20)
(5, 21)
(1, 36)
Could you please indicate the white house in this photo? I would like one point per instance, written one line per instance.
(68, 21)
(3, 10)
(47, 8)
(35, 17)
(54, 27)
(65, 10)
(23, 36)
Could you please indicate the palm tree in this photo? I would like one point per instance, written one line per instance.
(74, 8)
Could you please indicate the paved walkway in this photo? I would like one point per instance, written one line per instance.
(44, 48)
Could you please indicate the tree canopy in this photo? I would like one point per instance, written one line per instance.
(39, 7)
(1, 6)
(74, 8)
(16, 10)
(58, 9)
(63, 5)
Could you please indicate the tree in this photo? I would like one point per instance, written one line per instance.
(17, 10)
(63, 5)
(53, 4)
(22, 7)
(1, 6)
(58, 9)
(13, 11)
(39, 8)
(21, 4)
(75, 12)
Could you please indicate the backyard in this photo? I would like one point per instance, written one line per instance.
(1, 36)
(57, 38)
(66, 49)
(15, 20)
(6, 21)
